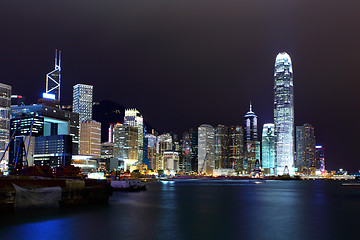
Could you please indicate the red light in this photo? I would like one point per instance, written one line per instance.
(19, 96)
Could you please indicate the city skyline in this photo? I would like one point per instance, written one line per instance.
(133, 49)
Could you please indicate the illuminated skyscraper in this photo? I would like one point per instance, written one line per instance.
(5, 102)
(90, 138)
(126, 143)
(268, 149)
(252, 145)
(305, 149)
(284, 114)
(53, 78)
(206, 149)
(135, 119)
(320, 160)
(221, 147)
(236, 148)
(83, 101)
(250, 119)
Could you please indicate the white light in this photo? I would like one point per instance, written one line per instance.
(48, 96)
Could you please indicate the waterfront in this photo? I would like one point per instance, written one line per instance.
(202, 209)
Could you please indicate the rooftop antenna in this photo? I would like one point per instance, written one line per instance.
(250, 107)
(53, 78)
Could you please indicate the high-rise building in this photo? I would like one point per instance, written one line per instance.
(53, 78)
(135, 119)
(193, 134)
(221, 147)
(5, 103)
(268, 149)
(151, 142)
(305, 149)
(56, 121)
(284, 114)
(235, 148)
(126, 143)
(320, 160)
(185, 160)
(83, 101)
(206, 149)
(252, 145)
(250, 120)
(164, 143)
(90, 138)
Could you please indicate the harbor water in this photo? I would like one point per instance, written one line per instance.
(202, 209)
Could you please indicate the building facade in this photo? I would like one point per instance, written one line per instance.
(319, 160)
(83, 101)
(206, 149)
(126, 143)
(284, 114)
(134, 118)
(305, 149)
(252, 145)
(268, 149)
(90, 138)
(5, 103)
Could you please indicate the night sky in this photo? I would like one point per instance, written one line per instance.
(183, 63)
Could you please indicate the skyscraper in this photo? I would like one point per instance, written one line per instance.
(221, 147)
(268, 149)
(250, 120)
(236, 148)
(252, 145)
(53, 78)
(5, 102)
(83, 101)
(305, 149)
(206, 149)
(134, 118)
(284, 114)
(126, 143)
(90, 138)
(320, 159)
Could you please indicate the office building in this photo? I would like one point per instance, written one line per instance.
(151, 150)
(83, 101)
(305, 149)
(319, 160)
(55, 121)
(268, 149)
(126, 143)
(206, 149)
(284, 114)
(164, 143)
(135, 119)
(235, 150)
(5, 102)
(90, 138)
(252, 145)
(221, 147)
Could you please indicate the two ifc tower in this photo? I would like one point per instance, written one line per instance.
(283, 108)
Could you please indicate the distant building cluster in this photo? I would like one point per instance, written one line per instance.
(46, 133)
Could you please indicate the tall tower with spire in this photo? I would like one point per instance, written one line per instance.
(53, 78)
(250, 119)
(252, 145)
(284, 114)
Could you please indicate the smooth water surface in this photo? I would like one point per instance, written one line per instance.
(202, 209)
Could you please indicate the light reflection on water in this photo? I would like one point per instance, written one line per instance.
(203, 210)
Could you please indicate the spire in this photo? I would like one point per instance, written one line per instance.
(250, 107)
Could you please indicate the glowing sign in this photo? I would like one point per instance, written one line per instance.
(48, 96)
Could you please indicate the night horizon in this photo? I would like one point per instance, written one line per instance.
(184, 64)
